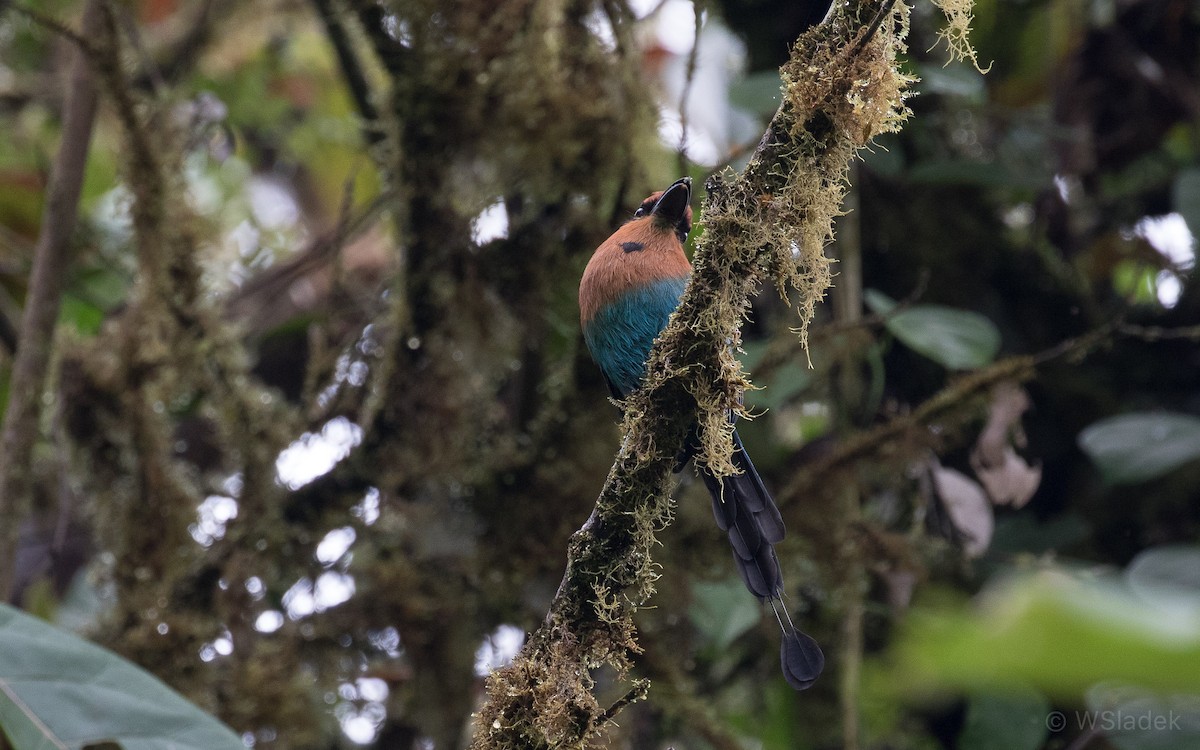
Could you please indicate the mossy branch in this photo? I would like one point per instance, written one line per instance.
(768, 224)
(945, 404)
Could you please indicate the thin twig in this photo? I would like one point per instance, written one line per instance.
(620, 18)
(866, 443)
(689, 77)
(50, 261)
(51, 23)
(1159, 333)
(321, 250)
(171, 64)
(633, 695)
(883, 12)
(848, 311)
(129, 27)
(1078, 346)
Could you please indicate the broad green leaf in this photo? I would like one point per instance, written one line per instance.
(1140, 446)
(58, 691)
(1056, 632)
(1013, 719)
(1185, 197)
(957, 339)
(722, 611)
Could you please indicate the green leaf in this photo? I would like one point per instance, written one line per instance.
(957, 339)
(58, 691)
(722, 611)
(1054, 631)
(1013, 719)
(1140, 446)
(1185, 197)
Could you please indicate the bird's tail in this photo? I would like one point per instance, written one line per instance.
(747, 513)
(745, 510)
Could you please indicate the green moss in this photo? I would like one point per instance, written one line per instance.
(768, 225)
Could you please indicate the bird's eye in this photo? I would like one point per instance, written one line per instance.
(639, 213)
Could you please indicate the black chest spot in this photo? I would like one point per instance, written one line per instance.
(632, 247)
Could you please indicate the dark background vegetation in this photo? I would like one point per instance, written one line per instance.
(961, 595)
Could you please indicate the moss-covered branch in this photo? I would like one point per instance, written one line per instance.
(950, 403)
(769, 224)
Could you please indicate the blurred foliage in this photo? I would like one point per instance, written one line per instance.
(1036, 210)
(1136, 447)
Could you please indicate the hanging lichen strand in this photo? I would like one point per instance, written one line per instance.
(769, 224)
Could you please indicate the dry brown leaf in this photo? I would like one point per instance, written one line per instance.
(1008, 478)
(1012, 483)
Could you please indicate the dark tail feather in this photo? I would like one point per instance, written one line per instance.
(755, 495)
(745, 511)
(799, 655)
(802, 659)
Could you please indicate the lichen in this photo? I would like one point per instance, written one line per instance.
(841, 89)
(959, 16)
(768, 225)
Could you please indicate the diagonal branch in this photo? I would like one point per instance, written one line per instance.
(770, 224)
(50, 260)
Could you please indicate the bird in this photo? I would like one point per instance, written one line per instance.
(630, 287)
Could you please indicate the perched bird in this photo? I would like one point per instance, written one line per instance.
(629, 289)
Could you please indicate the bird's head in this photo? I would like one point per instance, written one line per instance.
(670, 208)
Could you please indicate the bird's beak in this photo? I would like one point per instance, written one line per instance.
(672, 205)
